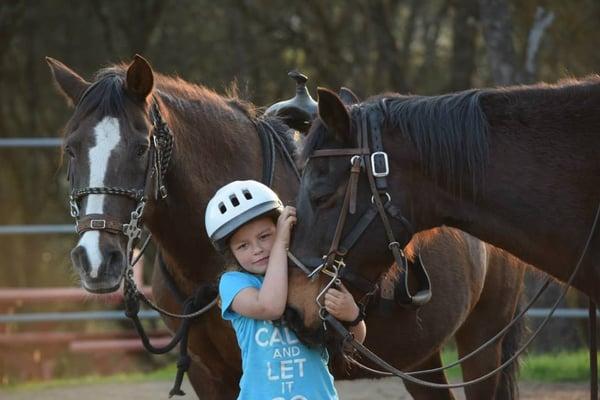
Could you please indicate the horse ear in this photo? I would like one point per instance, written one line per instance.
(333, 113)
(347, 96)
(140, 78)
(70, 84)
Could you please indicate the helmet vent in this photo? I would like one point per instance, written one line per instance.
(234, 200)
(247, 194)
(222, 208)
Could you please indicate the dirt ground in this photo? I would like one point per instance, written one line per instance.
(384, 389)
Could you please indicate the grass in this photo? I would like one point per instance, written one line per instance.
(550, 367)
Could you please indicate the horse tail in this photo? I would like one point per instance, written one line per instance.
(513, 340)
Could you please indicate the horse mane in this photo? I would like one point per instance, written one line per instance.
(107, 96)
(449, 133)
(108, 84)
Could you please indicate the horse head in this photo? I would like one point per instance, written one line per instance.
(329, 212)
(110, 154)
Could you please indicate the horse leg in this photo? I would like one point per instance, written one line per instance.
(474, 367)
(499, 302)
(477, 330)
(208, 388)
(419, 392)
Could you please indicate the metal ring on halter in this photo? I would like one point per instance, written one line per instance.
(322, 313)
(389, 198)
(354, 158)
(333, 280)
(318, 269)
(74, 207)
(315, 271)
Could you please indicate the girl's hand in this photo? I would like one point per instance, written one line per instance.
(285, 223)
(341, 304)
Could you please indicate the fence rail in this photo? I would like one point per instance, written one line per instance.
(38, 142)
(36, 229)
(30, 142)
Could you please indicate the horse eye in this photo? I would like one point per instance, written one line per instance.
(320, 200)
(140, 127)
(141, 150)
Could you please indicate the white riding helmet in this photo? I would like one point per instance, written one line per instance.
(235, 204)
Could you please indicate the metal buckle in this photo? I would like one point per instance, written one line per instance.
(386, 170)
(354, 158)
(386, 194)
(98, 224)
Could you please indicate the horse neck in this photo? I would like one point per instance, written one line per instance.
(541, 185)
(213, 144)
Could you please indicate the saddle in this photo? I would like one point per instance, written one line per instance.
(299, 111)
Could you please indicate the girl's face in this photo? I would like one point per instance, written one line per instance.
(251, 244)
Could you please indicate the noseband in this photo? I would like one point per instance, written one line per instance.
(374, 161)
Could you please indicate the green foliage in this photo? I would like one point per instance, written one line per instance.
(546, 367)
(557, 367)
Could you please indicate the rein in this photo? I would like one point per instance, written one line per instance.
(348, 338)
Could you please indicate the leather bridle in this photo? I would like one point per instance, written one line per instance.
(371, 158)
(159, 156)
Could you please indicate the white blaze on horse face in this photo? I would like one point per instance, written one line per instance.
(107, 137)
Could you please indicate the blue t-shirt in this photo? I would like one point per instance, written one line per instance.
(275, 364)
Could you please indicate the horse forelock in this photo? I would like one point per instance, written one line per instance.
(105, 96)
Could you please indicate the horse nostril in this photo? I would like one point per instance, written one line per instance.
(114, 262)
(80, 259)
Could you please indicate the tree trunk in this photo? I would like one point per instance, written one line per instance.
(464, 28)
(497, 27)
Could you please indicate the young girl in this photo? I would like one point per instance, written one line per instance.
(240, 219)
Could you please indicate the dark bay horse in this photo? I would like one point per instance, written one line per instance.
(215, 142)
(518, 167)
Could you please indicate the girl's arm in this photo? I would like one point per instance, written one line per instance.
(341, 304)
(269, 302)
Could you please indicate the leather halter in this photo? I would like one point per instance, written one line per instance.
(159, 156)
(374, 161)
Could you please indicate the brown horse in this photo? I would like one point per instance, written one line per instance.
(517, 167)
(475, 296)
(215, 141)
